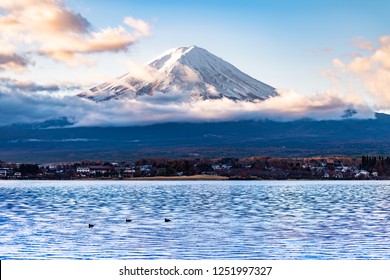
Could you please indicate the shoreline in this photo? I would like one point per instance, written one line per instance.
(159, 178)
(179, 178)
(191, 178)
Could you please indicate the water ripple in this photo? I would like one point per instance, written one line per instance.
(210, 220)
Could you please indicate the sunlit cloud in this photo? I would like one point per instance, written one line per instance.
(140, 26)
(372, 71)
(363, 44)
(49, 28)
(47, 16)
(13, 61)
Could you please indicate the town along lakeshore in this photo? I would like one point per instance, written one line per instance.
(253, 168)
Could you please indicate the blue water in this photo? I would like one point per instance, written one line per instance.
(210, 220)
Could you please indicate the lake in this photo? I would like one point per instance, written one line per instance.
(209, 220)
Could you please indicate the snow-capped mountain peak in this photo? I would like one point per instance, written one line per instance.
(170, 57)
(191, 71)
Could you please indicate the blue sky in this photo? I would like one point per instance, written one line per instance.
(320, 54)
(284, 43)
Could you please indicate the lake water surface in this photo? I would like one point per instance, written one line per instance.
(209, 220)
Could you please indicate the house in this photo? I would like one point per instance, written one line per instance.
(306, 166)
(52, 167)
(216, 167)
(3, 173)
(375, 174)
(102, 169)
(345, 169)
(362, 174)
(145, 168)
(220, 167)
(83, 169)
(128, 172)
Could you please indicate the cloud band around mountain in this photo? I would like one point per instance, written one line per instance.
(161, 108)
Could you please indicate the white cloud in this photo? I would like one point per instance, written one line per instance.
(289, 105)
(15, 86)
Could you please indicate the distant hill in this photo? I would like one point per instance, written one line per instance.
(51, 142)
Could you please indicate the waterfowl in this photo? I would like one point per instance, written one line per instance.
(167, 220)
(91, 225)
(128, 220)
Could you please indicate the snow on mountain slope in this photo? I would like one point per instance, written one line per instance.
(191, 71)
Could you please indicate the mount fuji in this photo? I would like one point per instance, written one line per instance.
(192, 72)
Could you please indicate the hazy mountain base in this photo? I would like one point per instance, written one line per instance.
(39, 143)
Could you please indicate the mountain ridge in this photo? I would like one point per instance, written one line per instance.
(300, 138)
